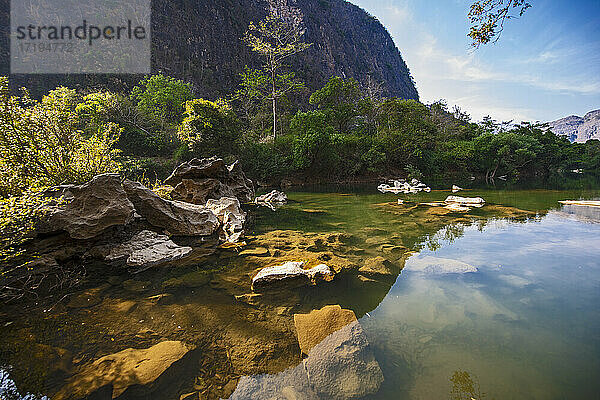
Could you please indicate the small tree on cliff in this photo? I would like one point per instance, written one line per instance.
(275, 39)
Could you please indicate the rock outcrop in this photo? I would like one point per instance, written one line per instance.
(231, 217)
(199, 42)
(177, 217)
(199, 180)
(91, 208)
(125, 224)
(147, 249)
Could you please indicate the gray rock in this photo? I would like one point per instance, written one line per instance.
(147, 249)
(91, 208)
(198, 180)
(231, 217)
(343, 366)
(177, 217)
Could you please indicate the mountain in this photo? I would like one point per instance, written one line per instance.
(578, 129)
(199, 41)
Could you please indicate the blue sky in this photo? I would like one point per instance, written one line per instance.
(545, 66)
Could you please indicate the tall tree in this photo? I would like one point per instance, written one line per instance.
(275, 39)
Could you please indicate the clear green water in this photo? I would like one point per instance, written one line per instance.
(524, 325)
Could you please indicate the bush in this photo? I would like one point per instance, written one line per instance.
(313, 142)
(42, 145)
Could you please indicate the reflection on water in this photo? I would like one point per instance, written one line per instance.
(500, 298)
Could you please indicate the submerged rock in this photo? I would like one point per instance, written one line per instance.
(315, 326)
(340, 366)
(177, 217)
(465, 201)
(91, 208)
(147, 249)
(125, 369)
(343, 366)
(378, 267)
(436, 265)
(292, 274)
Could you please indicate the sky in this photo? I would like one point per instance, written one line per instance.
(545, 66)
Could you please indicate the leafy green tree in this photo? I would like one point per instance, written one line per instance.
(339, 99)
(506, 152)
(313, 141)
(277, 38)
(162, 97)
(210, 127)
(41, 144)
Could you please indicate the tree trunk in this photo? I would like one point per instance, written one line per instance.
(274, 105)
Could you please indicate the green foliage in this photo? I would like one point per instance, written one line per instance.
(209, 128)
(338, 99)
(41, 144)
(18, 217)
(162, 98)
(313, 139)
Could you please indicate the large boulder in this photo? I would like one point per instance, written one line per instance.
(91, 208)
(340, 366)
(178, 218)
(147, 249)
(199, 180)
(125, 369)
(343, 365)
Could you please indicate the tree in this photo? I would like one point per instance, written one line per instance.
(209, 127)
(487, 18)
(162, 98)
(277, 38)
(338, 99)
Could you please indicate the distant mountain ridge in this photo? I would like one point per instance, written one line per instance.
(578, 129)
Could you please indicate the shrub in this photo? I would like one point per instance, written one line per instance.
(41, 145)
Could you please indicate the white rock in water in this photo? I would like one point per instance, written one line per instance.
(427, 189)
(470, 201)
(455, 188)
(274, 196)
(291, 270)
